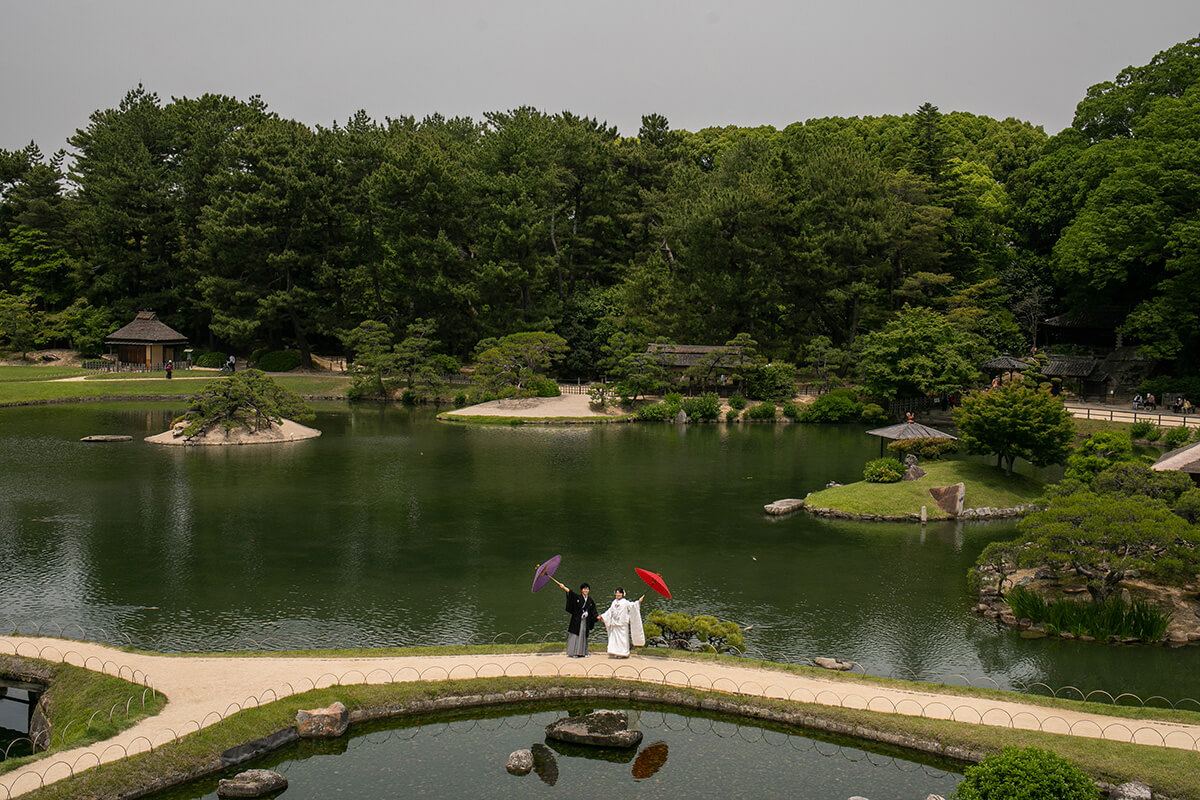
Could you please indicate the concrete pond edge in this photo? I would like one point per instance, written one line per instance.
(804, 720)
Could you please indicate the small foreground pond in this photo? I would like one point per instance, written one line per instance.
(395, 529)
(680, 756)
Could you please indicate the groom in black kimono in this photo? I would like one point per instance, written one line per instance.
(582, 609)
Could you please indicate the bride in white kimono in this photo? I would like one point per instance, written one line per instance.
(624, 623)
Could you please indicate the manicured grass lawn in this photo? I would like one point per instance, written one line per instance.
(33, 391)
(74, 697)
(29, 373)
(987, 486)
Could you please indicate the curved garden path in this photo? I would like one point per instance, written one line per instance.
(201, 689)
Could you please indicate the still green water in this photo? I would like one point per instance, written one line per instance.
(680, 756)
(394, 529)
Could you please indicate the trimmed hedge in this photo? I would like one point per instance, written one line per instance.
(279, 360)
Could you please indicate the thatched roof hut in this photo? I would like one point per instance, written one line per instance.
(146, 341)
(1184, 459)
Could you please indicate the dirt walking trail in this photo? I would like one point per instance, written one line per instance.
(200, 689)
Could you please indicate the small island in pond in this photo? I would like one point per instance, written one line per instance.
(246, 408)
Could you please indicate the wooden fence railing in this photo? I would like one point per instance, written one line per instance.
(1163, 419)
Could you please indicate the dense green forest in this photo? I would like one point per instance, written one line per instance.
(246, 230)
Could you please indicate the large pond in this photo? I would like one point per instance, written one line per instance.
(680, 756)
(394, 529)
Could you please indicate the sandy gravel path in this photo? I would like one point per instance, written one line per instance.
(566, 405)
(201, 689)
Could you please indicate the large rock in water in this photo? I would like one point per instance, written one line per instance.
(787, 506)
(323, 723)
(598, 729)
(950, 498)
(520, 762)
(251, 783)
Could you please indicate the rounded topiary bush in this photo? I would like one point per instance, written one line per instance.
(731, 415)
(279, 361)
(544, 387)
(883, 470)
(737, 402)
(213, 360)
(1023, 773)
(761, 412)
(873, 414)
(1140, 429)
(840, 405)
(706, 406)
(1176, 437)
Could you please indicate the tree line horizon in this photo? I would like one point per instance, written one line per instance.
(245, 230)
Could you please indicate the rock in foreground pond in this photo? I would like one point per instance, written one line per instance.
(323, 723)
(520, 762)
(599, 729)
(251, 783)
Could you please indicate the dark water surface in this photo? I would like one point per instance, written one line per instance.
(680, 756)
(393, 529)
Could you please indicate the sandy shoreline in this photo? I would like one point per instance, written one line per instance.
(288, 431)
(567, 405)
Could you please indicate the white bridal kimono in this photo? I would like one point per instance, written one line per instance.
(624, 621)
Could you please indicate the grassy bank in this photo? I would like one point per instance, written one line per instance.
(987, 487)
(26, 391)
(74, 697)
(1175, 773)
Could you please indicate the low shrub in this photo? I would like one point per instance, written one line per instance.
(1022, 773)
(213, 360)
(408, 397)
(278, 361)
(460, 399)
(1154, 434)
(1140, 429)
(929, 448)
(761, 412)
(542, 387)
(737, 402)
(1109, 617)
(840, 405)
(873, 414)
(732, 414)
(791, 410)
(883, 470)
(1176, 437)
(656, 412)
(706, 406)
(683, 632)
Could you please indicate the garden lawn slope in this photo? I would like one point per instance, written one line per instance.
(987, 487)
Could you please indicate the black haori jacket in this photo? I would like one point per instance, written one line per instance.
(576, 605)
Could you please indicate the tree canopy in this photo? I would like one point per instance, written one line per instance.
(245, 230)
(1016, 421)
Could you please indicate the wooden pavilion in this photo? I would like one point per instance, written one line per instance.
(147, 342)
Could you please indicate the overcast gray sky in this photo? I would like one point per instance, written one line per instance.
(699, 62)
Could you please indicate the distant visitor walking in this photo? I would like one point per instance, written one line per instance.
(170, 367)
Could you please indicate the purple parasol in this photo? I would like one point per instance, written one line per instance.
(541, 575)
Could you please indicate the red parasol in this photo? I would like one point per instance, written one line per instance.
(654, 581)
(541, 576)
